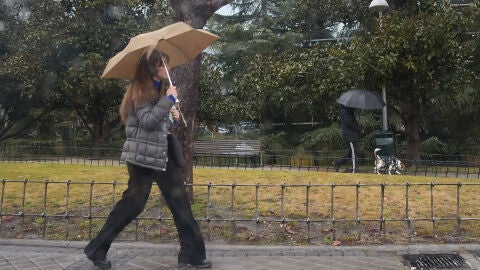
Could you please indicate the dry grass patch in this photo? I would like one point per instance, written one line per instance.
(281, 200)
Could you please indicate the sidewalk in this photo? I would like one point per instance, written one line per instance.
(43, 254)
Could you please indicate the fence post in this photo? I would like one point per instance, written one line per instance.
(434, 227)
(382, 207)
(407, 215)
(459, 220)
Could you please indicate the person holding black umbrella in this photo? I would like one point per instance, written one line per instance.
(351, 133)
(351, 129)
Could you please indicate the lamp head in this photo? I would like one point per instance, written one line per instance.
(378, 5)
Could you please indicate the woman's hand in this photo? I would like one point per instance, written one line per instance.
(175, 114)
(172, 90)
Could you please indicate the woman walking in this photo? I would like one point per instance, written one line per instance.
(151, 153)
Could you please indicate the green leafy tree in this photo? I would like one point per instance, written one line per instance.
(27, 80)
(54, 53)
(420, 55)
(417, 53)
(266, 71)
(94, 101)
(217, 105)
(94, 32)
(255, 28)
(456, 121)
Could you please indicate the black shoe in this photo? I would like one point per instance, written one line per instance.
(200, 265)
(102, 263)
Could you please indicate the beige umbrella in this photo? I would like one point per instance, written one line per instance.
(180, 41)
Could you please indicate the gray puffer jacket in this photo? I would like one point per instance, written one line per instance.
(146, 130)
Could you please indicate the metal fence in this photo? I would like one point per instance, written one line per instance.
(435, 165)
(242, 212)
(426, 167)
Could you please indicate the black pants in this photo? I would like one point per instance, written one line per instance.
(134, 198)
(352, 155)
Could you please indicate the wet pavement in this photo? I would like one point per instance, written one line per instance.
(48, 254)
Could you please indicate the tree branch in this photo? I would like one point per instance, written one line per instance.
(217, 4)
(25, 126)
(84, 120)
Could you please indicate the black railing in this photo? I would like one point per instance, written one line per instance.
(435, 165)
(250, 212)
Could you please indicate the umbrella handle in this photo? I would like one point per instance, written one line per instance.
(168, 76)
(177, 101)
(169, 79)
(166, 69)
(181, 114)
(176, 106)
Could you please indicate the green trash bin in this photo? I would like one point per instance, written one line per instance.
(385, 140)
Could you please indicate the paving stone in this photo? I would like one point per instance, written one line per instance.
(52, 255)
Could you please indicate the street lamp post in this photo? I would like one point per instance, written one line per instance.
(380, 6)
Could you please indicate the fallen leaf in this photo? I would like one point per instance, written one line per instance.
(7, 218)
(289, 230)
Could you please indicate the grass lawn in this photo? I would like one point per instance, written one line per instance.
(290, 196)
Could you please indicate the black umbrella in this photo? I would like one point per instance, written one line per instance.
(361, 99)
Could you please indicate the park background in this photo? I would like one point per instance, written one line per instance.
(273, 76)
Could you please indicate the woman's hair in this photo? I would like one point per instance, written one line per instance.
(140, 89)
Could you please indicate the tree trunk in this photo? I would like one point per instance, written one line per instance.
(187, 77)
(97, 128)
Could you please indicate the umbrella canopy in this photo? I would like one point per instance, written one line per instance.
(361, 99)
(180, 41)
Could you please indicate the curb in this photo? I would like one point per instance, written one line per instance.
(311, 250)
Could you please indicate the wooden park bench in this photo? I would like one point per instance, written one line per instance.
(236, 150)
